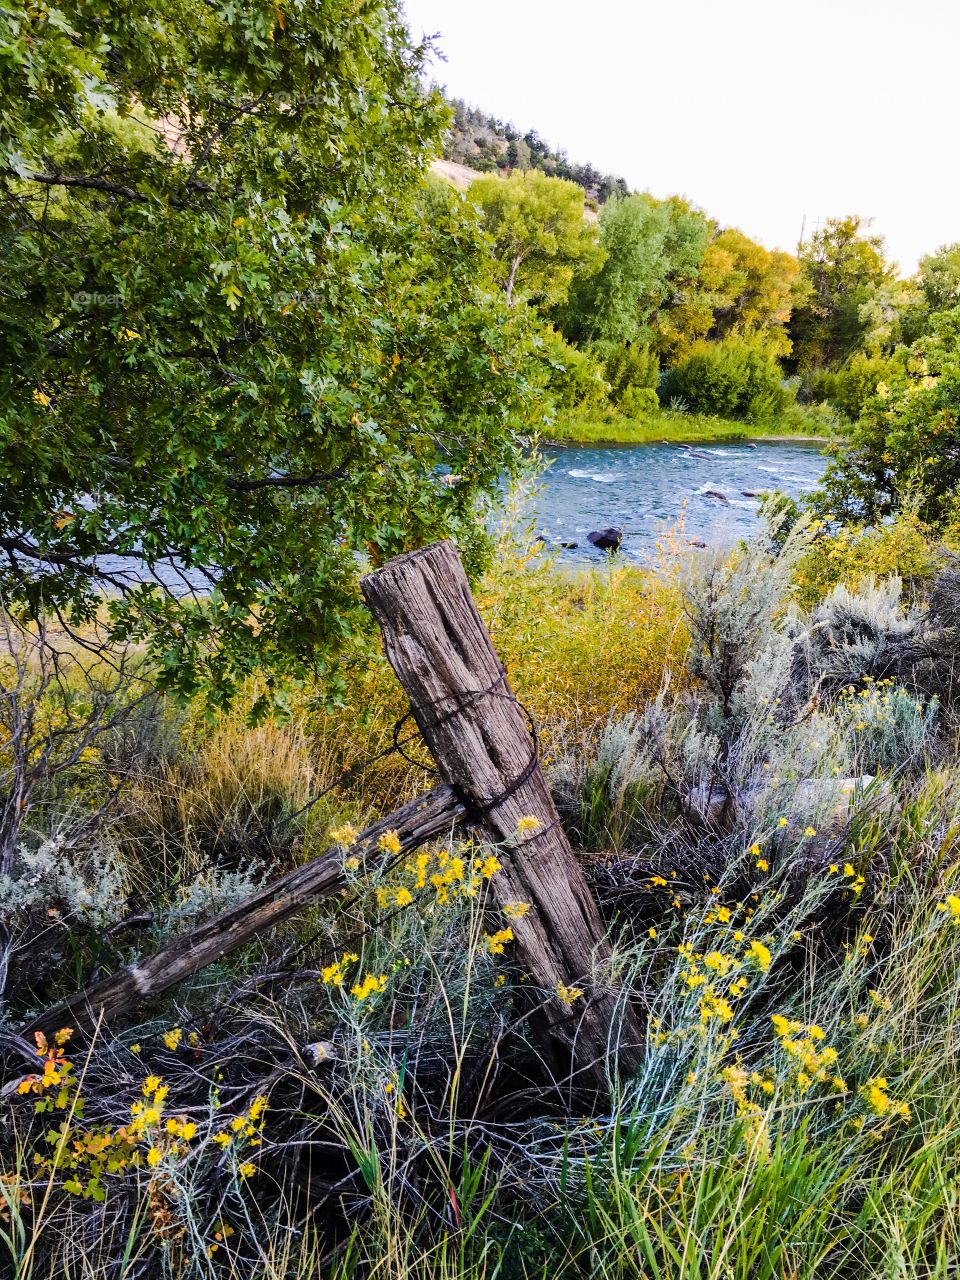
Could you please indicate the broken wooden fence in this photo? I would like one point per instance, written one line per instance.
(478, 735)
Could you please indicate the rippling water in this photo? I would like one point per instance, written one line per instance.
(642, 490)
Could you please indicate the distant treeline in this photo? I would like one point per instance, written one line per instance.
(484, 143)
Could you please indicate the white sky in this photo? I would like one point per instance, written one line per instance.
(759, 111)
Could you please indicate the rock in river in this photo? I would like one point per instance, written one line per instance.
(606, 539)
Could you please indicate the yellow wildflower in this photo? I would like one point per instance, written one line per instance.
(784, 1026)
(515, 910)
(389, 842)
(874, 1093)
(759, 953)
(527, 824)
(495, 941)
(369, 986)
(344, 835)
(568, 994)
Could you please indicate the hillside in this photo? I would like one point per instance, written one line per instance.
(483, 143)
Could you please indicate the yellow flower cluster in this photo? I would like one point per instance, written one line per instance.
(812, 1061)
(495, 942)
(876, 1095)
(759, 954)
(332, 975)
(756, 1137)
(371, 985)
(245, 1130)
(714, 1006)
(344, 835)
(952, 907)
(389, 842)
(447, 875)
(568, 994)
(702, 971)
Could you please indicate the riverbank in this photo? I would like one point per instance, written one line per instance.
(668, 426)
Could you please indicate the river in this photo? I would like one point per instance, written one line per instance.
(642, 490)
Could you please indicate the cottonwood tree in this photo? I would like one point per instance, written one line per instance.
(233, 356)
(650, 247)
(538, 232)
(843, 268)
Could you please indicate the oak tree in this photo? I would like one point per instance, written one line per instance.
(236, 357)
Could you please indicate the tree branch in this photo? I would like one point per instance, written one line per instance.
(284, 482)
(61, 559)
(84, 181)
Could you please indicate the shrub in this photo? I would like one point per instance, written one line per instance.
(580, 647)
(850, 388)
(632, 372)
(855, 636)
(903, 451)
(885, 726)
(733, 379)
(574, 379)
(852, 553)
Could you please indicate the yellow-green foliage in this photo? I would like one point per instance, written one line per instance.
(577, 646)
(904, 547)
(581, 646)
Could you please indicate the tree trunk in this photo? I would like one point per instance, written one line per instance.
(512, 278)
(478, 734)
(421, 820)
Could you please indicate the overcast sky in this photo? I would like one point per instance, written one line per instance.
(759, 111)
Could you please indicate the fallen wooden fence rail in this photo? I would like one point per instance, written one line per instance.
(478, 734)
(422, 819)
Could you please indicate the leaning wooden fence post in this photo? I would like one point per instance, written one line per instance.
(478, 734)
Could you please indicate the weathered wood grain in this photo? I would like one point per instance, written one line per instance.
(461, 699)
